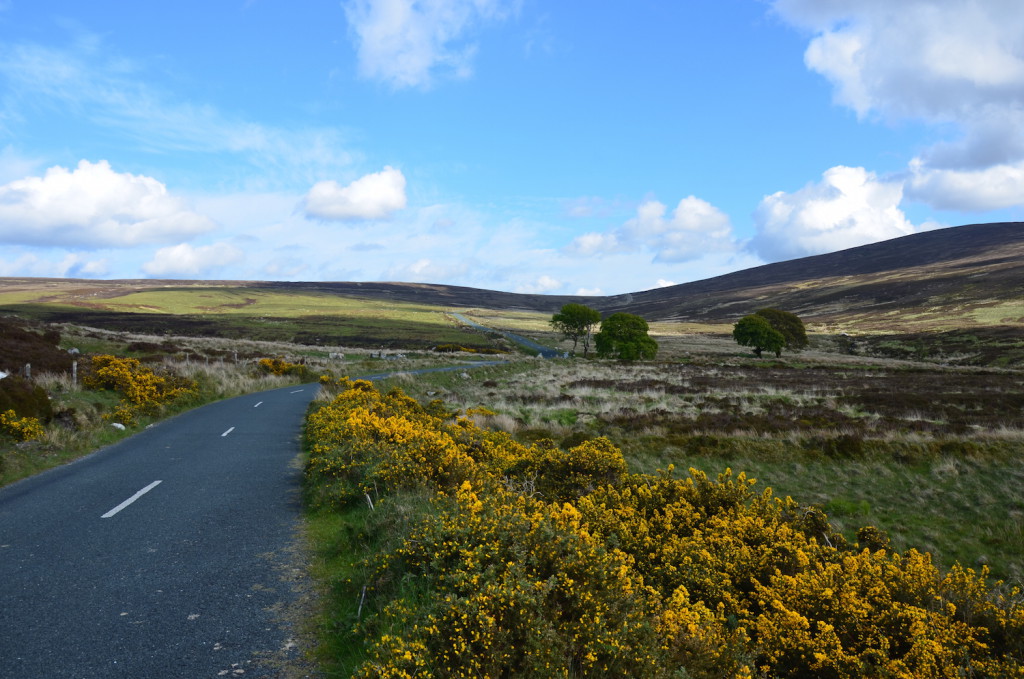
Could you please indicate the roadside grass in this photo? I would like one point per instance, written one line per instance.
(221, 369)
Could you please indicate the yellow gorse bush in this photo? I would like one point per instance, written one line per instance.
(142, 391)
(279, 366)
(541, 562)
(20, 429)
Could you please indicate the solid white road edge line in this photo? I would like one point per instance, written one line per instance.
(228, 431)
(130, 500)
(298, 391)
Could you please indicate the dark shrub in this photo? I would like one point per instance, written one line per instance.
(20, 345)
(25, 399)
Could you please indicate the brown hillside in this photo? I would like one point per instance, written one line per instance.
(942, 274)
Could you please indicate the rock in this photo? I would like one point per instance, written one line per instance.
(118, 425)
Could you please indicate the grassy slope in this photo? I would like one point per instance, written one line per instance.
(308, 317)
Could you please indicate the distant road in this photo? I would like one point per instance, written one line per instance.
(164, 556)
(546, 352)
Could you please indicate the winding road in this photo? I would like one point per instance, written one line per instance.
(545, 352)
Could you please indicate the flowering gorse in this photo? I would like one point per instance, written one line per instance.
(537, 561)
(142, 391)
(279, 366)
(20, 429)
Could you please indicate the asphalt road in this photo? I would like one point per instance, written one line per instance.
(186, 580)
(545, 352)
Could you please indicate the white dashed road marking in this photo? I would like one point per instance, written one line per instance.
(130, 500)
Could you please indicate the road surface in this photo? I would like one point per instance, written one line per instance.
(166, 555)
(545, 352)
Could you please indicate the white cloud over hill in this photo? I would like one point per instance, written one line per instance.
(373, 196)
(187, 261)
(694, 229)
(848, 207)
(93, 206)
(952, 63)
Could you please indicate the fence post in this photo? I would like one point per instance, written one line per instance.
(74, 372)
(28, 372)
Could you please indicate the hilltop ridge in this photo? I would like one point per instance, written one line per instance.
(928, 270)
(943, 278)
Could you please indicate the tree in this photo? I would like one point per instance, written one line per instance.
(575, 322)
(624, 336)
(788, 325)
(754, 331)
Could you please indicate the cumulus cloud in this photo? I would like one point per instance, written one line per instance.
(848, 207)
(539, 286)
(71, 265)
(405, 42)
(184, 260)
(93, 206)
(426, 270)
(694, 229)
(958, 63)
(929, 59)
(373, 196)
(988, 188)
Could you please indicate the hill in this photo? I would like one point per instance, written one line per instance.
(941, 280)
(944, 278)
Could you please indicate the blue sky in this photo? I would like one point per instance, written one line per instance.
(572, 147)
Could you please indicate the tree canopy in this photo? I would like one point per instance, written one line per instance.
(575, 322)
(788, 325)
(625, 336)
(755, 331)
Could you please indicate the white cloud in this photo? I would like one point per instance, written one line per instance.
(93, 206)
(589, 292)
(539, 286)
(184, 260)
(404, 42)
(849, 207)
(944, 62)
(426, 270)
(662, 283)
(373, 196)
(695, 228)
(989, 188)
(70, 266)
(596, 244)
(930, 59)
